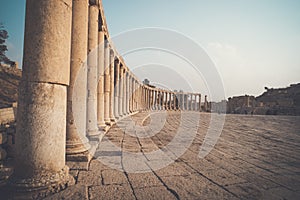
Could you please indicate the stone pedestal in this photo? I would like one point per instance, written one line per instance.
(40, 140)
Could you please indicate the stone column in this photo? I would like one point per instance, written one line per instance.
(100, 105)
(76, 95)
(124, 93)
(121, 90)
(40, 142)
(131, 94)
(170, 101)
(92, 76)
(167, 100)
(117, 88)
(148, 98)
(174, 101)
(195, 103)
(134, 95)
(107, 83)
(159, 100)
(205, 103)
(112, 87)
(127, 93)
(199, 102)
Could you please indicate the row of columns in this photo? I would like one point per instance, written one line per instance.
(74, 85)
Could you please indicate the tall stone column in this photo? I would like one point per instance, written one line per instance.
(156, 100)
(170, 101)
(184, 102)
(117, 88)
(131, 94)
(127, 93)
(199, 103)
(121, 90)
(148, 98)
(100, 105)
(175, 101)
(159, 100)
(92, 75)
(134, 94)
(195, 102)
(124, 93)
(106, 83)
(205, 103)
(40, 142)
(76, 95)
(112, 86)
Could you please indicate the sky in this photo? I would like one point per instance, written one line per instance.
(251, 43)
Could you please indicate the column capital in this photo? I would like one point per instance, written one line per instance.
(94, 2)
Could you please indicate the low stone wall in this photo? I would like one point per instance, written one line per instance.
(7, 134)
(8, 115)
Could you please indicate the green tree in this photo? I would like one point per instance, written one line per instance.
(3, 47)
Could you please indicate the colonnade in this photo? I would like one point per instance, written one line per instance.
(74, 86)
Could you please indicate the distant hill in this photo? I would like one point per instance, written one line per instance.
(279, 101)
(9, 81)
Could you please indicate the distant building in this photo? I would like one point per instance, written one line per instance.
(282, 101)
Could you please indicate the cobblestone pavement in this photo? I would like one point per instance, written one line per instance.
(256, 157)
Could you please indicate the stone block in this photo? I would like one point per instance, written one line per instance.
(3, 154)
(3, 138)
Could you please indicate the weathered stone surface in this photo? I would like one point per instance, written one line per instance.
(3, 153)
(113, 177)
(42, 103)
(42, 108)
(152, 193)
(47, 47)
(76, 107)
(3, 138)
(250, 161)
(142, 180)
(76, 192)
(92, 74)
(113, 192)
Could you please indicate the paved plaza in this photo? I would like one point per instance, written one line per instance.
(256, 157)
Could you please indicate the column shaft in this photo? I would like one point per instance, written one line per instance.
(124, 93)
(107, 83)
(117, 88)
(121, 91)
(100, 106)
(112, 87)
(40, 139)
(127, 93)
(76, 93)
(92, 76)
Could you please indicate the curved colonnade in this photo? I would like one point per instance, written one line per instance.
(74, 86)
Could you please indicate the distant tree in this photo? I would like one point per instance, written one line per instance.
(3, 47)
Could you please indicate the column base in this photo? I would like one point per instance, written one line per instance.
(39, 186)
(93, 132)
(73, 148)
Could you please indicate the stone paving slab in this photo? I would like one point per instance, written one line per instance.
(256, 157)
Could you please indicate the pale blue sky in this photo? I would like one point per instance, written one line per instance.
(254, 43)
